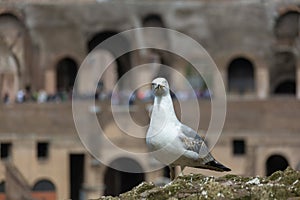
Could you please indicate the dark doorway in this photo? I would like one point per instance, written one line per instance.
(287, 87)
(283, 73)
(120, 181)
(76, 175)
(275, 163)
(167, 172)
(240, 76)
(66, 74)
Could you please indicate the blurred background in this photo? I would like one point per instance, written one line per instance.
(255, 45)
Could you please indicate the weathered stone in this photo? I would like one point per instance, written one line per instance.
(280, 185)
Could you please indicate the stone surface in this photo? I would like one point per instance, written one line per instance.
(280, 185)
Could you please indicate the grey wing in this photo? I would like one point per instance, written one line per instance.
(193, 142)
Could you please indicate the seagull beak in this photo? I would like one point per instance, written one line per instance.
(157, 86)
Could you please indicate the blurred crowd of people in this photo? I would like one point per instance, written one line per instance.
(119, 97)
(26, 95)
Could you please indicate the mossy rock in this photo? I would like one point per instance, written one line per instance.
(280, 185)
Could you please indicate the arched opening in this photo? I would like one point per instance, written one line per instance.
(118, 44)
(275, 163)
(241, 76)
(13, 69)
(120, 177)
(287, 27)
(101, 57)
(283, 74)
(161, 40)
(153, 20)
(66, 71)
(287, 87)
(44, 190)
(44, 185)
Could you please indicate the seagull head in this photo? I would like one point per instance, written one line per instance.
(160, 87)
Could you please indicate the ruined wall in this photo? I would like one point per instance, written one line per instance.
(63, 29)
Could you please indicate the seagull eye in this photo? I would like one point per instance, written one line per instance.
(153, 85)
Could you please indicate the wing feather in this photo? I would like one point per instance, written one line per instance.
(194, 142)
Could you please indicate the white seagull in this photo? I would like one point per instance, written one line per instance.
(172, 142)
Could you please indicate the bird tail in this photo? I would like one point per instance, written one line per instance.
(214, 165)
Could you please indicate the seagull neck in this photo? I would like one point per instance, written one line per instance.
(165, 104)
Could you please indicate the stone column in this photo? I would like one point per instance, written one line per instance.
(93, 186)
(217, 87)
(50, 81)
(262, 82)
(251, 163)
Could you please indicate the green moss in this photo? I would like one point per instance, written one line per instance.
(280, 185)
(109, 198)
(275, 176)
(290, 176)
(143, 187)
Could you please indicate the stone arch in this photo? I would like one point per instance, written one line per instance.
(119, 181)
(66, 71)
(117, 69)
(283, 74)
(287, 26)
(274, 163)
(13, 71)
(287, 87)
(43, 185)
(153, 20)
(44, 189)
(10, 15)
(240, 76)
(18, 15)
(124, 61)
(160, 40)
